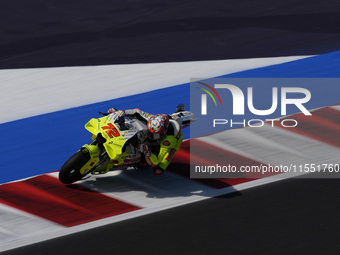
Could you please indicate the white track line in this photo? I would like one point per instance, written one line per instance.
(35, 91)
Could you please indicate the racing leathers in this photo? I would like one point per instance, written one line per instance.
(158, 153)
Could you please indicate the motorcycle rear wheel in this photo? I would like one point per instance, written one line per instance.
(69, 172)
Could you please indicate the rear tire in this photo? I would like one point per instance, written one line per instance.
(69, 172)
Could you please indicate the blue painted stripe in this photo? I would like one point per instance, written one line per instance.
(43, 143)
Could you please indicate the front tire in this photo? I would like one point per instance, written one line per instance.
(69, 172)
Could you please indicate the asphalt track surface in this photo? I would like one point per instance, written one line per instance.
(295, 216)
(40, 33)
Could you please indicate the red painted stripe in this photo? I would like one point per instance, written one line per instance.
(211, 155)
(70, 205)
(323, 125)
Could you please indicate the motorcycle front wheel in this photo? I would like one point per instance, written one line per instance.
(69, 172)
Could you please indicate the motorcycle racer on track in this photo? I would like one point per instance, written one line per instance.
(160, 141)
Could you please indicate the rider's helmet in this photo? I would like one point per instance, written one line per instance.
(158, 126)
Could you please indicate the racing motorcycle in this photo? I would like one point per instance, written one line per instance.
(113, 146)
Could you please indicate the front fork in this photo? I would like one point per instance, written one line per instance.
(94, 152)
(99, 162)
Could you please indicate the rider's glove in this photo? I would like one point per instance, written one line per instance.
(112, 110)
(158, 171)
(144, 149)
